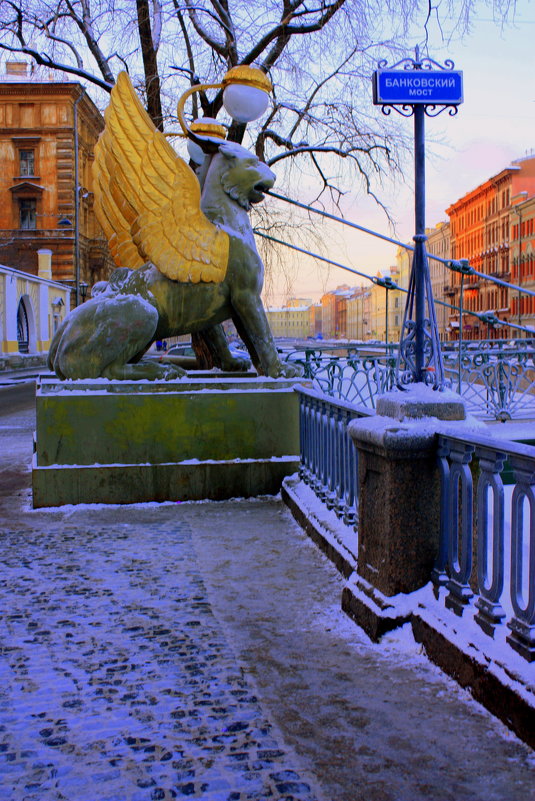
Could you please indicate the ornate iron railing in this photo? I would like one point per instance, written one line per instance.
(496, 379)
(484, 571)
(328, 457)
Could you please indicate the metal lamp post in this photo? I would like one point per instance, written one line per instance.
(387, 283)
(418, 90)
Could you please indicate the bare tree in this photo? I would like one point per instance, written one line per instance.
(319, 55)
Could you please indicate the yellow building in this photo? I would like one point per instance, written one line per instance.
(291, 322)
(382, 299)
(31, 307)
(439, 244)
(358, 314)
(378, 309)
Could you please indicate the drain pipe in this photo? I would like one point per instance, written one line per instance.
(77, 201)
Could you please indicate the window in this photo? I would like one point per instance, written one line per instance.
(27, 162)
(23, 329)
(28, 216)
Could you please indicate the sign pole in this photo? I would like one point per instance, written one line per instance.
(419, 90)
(420, 238)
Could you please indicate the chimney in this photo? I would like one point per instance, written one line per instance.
(44, 261)
(17, 69)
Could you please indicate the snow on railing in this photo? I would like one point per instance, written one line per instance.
(486, 559)
(328, 457)
(485, 567)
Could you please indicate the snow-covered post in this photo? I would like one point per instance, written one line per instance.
(399, 502)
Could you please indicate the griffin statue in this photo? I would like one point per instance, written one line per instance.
(186, 258)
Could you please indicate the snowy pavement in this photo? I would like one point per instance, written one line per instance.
(174, 650)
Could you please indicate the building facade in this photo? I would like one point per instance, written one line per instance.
(522, 258)
(48, 131)
(328, 324)
(480, 227)
(334, 312)
(290, 322)
(439, 245)
(358, 314)
(31, 307)
(315, 321)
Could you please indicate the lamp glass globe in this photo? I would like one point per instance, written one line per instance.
(245, 103)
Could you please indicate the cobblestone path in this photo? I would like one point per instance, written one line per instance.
(199, 650)
(116, 681)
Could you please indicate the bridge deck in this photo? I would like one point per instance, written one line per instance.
(157, 652)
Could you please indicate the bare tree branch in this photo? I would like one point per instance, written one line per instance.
(45, 61)
(191, 60)
(218, 47)
(157, 24)
(86, 27)
(284, 31)
(319, 55)
(72, 48)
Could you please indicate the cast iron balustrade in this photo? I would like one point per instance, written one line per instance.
(328, 457)
(478, 563)
(486, 559)
(495, 378)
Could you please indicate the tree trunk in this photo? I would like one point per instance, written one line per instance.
(150, 64)
(202, 350)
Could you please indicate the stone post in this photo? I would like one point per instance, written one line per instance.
(399, 503)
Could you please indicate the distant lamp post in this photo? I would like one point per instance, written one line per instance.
(83, 290)
(387, 283)
(246, 93)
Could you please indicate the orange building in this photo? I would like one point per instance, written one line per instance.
(334, 312)
(522, 252)
(48, 130)
(480, 229)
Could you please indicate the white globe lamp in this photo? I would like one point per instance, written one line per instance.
(246, 93)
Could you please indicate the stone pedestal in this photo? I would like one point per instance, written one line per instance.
(106, 441)
(399, 501)
(398, 504)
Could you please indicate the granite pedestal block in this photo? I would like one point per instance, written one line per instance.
(104, 441)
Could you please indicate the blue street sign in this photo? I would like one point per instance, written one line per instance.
(411, 87)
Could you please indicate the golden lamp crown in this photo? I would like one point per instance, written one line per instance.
(204, 128)
(248, 76)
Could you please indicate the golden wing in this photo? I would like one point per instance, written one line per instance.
(147, 199)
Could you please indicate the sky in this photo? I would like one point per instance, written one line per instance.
(494, 126)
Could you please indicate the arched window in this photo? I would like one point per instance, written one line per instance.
(23, 328)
